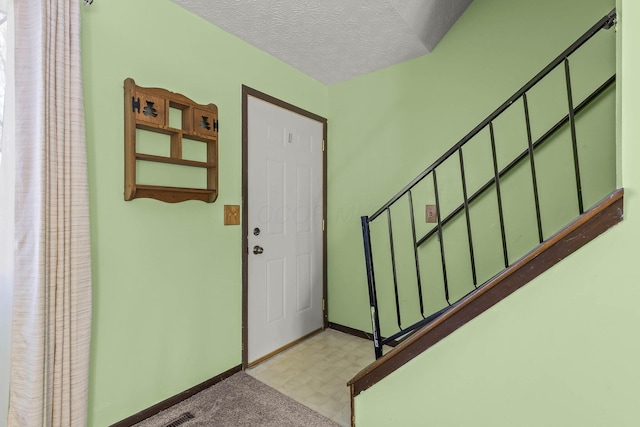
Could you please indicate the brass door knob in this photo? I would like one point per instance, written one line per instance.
(257, 250)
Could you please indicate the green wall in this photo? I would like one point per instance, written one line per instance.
(561, 351)
(167, 277)
(388, 126)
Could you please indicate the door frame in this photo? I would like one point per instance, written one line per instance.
(246, 93)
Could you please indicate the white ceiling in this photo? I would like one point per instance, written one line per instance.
(334, 40)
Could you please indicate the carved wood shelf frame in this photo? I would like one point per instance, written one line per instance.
(148, 109)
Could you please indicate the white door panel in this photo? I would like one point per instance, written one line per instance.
(285, 204)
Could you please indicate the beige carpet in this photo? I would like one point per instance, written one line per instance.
(238, 401)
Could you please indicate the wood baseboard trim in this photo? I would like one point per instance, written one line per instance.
(167, 403)
(350, 331)
(607, 213)
(357, 333)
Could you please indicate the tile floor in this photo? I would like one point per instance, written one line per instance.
(315, 372)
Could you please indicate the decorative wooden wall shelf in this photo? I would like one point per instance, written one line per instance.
(148, 109)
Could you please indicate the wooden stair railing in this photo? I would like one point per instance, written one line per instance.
(428, 246)
(607, 213)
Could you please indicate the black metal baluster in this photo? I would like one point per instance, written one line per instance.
(444, 265)
(393, 267)
(533, 167)
(606, 22)
(516, 161)
(371, 282)
(496, 174)
(574, 138)
(466, 211)
(415, 253)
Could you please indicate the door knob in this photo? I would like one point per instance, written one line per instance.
(257, 250)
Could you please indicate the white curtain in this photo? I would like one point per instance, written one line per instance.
(52, 272)
(6, 214)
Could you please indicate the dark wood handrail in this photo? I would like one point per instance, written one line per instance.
(607, 213)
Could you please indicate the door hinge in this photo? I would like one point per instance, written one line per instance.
(323, 225)
(323, 146)
(323, 304)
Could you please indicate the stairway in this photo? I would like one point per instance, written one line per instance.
(606, 214)
(482, 258)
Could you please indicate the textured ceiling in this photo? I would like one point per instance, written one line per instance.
(334, 40)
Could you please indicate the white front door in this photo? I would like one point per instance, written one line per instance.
(284, 219)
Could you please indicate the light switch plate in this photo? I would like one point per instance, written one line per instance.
(231, 215)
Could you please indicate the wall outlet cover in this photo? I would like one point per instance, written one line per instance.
(431, 214)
